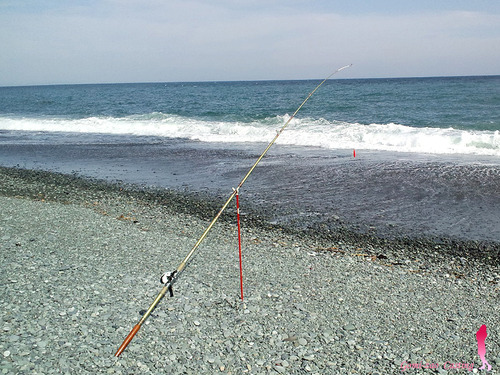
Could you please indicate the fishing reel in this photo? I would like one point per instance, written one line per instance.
(168, 278)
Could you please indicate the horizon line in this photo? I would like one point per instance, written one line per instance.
(247, 80)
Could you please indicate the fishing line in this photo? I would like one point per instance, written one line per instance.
(169, 278)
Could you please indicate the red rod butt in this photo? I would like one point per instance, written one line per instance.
(127, 340)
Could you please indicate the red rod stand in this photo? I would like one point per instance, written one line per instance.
(239, 240)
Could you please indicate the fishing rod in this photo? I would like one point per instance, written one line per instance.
(169, 278)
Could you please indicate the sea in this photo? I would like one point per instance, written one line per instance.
(399, 157)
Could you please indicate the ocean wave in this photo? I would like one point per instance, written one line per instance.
(301, 132)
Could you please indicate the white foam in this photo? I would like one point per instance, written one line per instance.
(301, 132)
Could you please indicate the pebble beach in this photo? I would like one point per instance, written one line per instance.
(82, 260)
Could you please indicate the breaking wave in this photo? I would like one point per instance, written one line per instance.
(301, 132)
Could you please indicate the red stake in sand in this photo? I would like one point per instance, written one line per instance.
(239, 240)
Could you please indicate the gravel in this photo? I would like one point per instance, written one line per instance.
(82, 259)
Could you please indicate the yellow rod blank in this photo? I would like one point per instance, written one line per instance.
(189, 256)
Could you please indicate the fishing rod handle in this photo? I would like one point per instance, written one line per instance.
(143, 319)
(127, 340)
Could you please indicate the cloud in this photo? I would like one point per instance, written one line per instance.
(153, 40)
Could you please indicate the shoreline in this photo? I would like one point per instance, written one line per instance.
(82, 259)
(66, 188)
(381, 194)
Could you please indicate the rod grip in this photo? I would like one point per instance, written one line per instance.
(127, 340)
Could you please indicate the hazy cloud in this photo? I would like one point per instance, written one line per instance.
(153, 40)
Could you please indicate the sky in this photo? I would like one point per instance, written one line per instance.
(114, 41)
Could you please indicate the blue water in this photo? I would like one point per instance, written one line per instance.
(469, 103)
(430, 115)
(428, 149)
